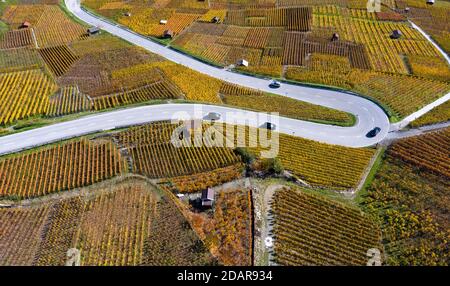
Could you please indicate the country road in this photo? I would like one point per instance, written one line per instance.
(367, 113)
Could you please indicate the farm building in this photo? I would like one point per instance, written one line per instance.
(93, 30)
(215, 19)
(25, 25)
(168, 34)
(208, 197)
(396, 34)
(430, 2)
(127, 14)
(162, 22)
(243, 63)
(335, 37)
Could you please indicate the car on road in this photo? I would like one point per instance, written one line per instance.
(275, 84)
(213, 116)
(269, 126)
(374, 132)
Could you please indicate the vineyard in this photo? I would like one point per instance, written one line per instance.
(19, 59)
(312, 230)
(20, 231)
(197, 182)
(24, 94)
(320, 164)
(428, 152)
(393, 90)
(61, 167)
(69, 100)
(158, 90)
(58, 58)
(157, 157)
(410, 198)
(50, 25)
(270, 38)
(233, 227)
(16, 39)
(284, 106)
(145, 226)
(436, 115)
(228, 231)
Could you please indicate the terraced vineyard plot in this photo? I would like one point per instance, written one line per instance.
(159, 90)
(313, 230)
(24, 94)
(396, 91)
(16, 39)
(324, 165)
(124, 212)
(194, 85)
(216, 53)
(428, 152)
(383, 52)
(125, 223)
(233, 232)
(299, 19)
(15, 15)
(294, 19)
(172, 241)
(401, 94)
(63, 167)
(257, 38)
(98, 74)
(430, 67)
(228, 232)
(58, 236)
(19, 59)
(293, 49)
(20, 230)
(320, 165)
(298, 46)
(436, 115)
(176, 24)
(285, 106)
(201, 181)
(97, 44)
(68, 100)
(58, 58)
(54, 28)
(411, 201)
(155, 156)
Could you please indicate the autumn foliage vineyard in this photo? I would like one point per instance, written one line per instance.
(410, 198)
(62, 167)
(138, 220)
(311, 230)
(133, 197)
(278, 38)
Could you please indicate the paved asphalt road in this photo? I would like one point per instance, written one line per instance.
(367, 113)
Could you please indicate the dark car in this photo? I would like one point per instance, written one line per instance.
(274, 84)
(269, 126)
(374, 132)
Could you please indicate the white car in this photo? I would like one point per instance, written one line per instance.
(213, 116)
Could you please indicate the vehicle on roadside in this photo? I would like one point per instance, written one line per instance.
(269, 126)
(213, 116)
(374, 132)
(274, 84)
